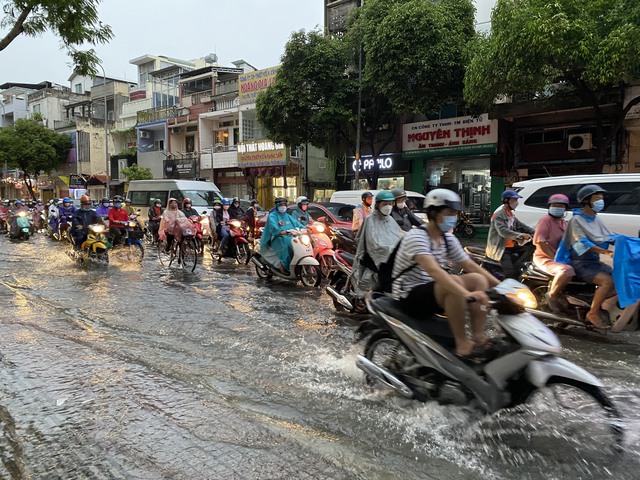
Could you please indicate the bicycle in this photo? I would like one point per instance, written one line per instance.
(184, 249)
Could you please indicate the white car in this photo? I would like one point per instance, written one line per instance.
(622, 200)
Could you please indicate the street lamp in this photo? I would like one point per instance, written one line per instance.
(106, 130)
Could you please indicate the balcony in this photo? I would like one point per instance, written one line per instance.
(154, 114)
(65, 123)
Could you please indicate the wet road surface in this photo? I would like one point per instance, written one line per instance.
(142, 372)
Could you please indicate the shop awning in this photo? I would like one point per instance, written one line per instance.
(272, 171)
(96, 180)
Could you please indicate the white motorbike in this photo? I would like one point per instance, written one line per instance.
(304, 267)
(415, 357)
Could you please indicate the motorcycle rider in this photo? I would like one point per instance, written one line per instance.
(250, 217)
(128, 208)
(584, 240)
(401, 212)
(82, 218)
(168, 224)
(361, 212)
(103, 209)
(14, 211)
(300, 212)
(66, 211)
(275, 233)
(222, 218)
(547, 237)
(235, 210)
(4, 215)
(424, 288)
(506, 235)
(377, 238)
(187, 208)
(155, 215)
(213, 219)
(118, 220)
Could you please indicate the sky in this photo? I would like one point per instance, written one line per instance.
(253, 30)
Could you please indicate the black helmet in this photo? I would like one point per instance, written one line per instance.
(279, 200)
(585, 192)
(117, 199)
(398, 192)
(367, 195)
(105, 200)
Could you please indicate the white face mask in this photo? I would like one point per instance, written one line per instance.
(401, 205)
(386, 210)
(282, 209)
(513, 204)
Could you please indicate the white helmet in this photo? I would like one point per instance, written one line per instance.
(302, 199)
(441, 197)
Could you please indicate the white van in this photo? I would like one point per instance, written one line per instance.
(621, 213)
(354, 197)
(202, 194)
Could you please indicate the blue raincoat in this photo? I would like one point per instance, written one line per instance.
(280, 244)
(626, 269)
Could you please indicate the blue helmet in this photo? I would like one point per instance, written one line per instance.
(67, 200)
(510, 194)
(18, 202)
(226, 201)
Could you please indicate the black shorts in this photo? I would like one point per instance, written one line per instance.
(421, 301)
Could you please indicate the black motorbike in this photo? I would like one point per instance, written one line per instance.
(340, 287)
(343, 239)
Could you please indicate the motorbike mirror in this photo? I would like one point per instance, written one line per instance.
(138, 210)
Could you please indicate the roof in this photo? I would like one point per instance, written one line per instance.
(32, 86)
(580, 178)
(212, 69)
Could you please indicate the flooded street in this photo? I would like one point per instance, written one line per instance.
(141, 372)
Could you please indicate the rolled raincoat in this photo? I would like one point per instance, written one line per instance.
(168, 223)
(273, 240)
(377, 238)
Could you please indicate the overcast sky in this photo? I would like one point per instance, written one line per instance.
(253, 30)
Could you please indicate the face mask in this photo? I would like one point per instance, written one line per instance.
(401, 205)
(282, 209)
(556, 212)
(157, 205)
(236, 205)
(173, 206)
(513, 205)
(598, 205)
(217, 207)
(105, 205)
(448, 222)
(67, 205)
(117, 205)
(226, 207)
(86, 208)
(386, 210)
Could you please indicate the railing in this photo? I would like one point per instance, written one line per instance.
(222, 89)
(66, 123)
(153, 114)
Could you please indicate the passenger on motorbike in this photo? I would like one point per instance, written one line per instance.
(547, 238)
(275, 233)
(250, 217)
(585, 239)
(168, 223)
(66, 210)
(424, 287)
(118, 220)
(377, 238)
(401, 212)
(128, 208)
(103, 209)
(14, 211)
(4, 212)
(361, 212)
(300, 212)
(507, 235)
(235, 210)
(52, 211)
(187, 208)
(82, 219)
(222, 218)
(155, 215)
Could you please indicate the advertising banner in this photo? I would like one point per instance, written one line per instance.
(450, 137)
(263, 153)
(252, 83)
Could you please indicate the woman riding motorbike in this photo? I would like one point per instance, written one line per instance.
(275, 233)
(170, 217)
(401, 213)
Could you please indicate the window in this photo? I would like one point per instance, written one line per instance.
(162, 195)
(139, 198)
(190, 143)
(158, 145)
(77, 88)
(615, 191)
(36, 108)
(620, 195)
(628, 203)
(199, 198)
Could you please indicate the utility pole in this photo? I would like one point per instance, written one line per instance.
(106, 131)
(358, 127)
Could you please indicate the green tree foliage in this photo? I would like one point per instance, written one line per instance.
(538, 48)
(75, 22)
(30, 147)
(134, 172)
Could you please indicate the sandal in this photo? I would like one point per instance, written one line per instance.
(477, 356)
(600, 323)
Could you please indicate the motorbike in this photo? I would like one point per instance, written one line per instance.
(131, 241)
(464, 227)
(59, 227)
(203, 230)
(304, 267)
(95, 248)
(39, 220)
(340, 287)
(4, 226)
(578, 295)
(478, 255)
(343, 239)
(23, 226)
(237, 246)
(415, 358)
(322, 247)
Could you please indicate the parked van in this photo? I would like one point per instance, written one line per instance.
(622, 200)
(202, 194)
(354, 197)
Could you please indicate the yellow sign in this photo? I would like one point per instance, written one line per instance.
(252, 83)
(263, 153)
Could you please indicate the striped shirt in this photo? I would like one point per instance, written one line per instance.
(418, 242)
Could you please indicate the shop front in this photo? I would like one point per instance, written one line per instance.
(393, 168)
(455, 153)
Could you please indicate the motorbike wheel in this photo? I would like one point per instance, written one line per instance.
(386, 351)
(188, 254)
(136, 253)
(326, 264)
(468, 231)
(262, 274)
(310, 275)
(540, 292)
(242, 253)
(338, 285)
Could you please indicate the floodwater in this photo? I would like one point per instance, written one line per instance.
(143, 372)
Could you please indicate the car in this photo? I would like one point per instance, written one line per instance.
(245, 204)
(622, 210)
(333, 214)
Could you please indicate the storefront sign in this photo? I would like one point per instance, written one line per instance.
(263, 153)
(252, 83)
(77, 181)
(450, 137)
(386, 163)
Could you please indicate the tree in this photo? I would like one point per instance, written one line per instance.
(76, 22)
(32, 148)
(540, 49)
(134, 172)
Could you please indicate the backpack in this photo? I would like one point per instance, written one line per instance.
(385, 271)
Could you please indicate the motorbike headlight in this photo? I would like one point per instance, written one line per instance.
(97, 228)
(22, 214)
(235, 223)
(305, 239)
(319, 228)
(132, 224)
(524, 297)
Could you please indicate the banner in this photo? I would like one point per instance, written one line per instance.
(263, 153)
(252, 83)
(450, 137)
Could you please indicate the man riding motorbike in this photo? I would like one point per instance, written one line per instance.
(118, 220)
(17, 207)
(401, 213)
(506, 234)
(361, 212)
(424, 288)
(547, 237)
(66, 211)
(128, 208)
(250, 217)
(235, 210)
(155, 215)
(187, 208)
(377, 238)
(103, 209)
(275, 233)
(300, 212)
(584, 240)
(82, 219)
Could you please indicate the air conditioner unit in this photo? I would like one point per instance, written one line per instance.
(176, 130)
(579, 141)
(144, 134)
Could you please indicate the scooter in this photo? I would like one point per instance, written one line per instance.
(203, 230)
(415, 358)
(23, 226)
(95, 248)
(478, 255)
(237, 246)
(340, 287)
(464, 226)
(3, 223)
(343, 239)
(303, 267)
(322, 247)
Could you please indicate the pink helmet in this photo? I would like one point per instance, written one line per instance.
(558, 198)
